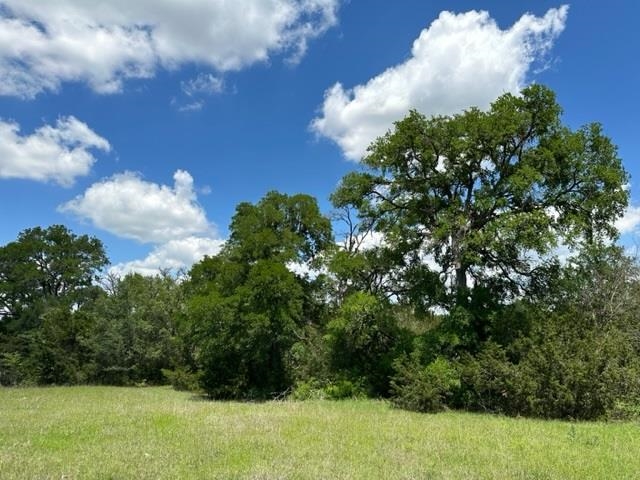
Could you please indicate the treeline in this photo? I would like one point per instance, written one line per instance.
(443, 288)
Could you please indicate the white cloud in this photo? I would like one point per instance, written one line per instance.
(195, 106)
(196, 89)
(46, 43)
(169, 218)
(59, 153)
(458, 61)
(174, 255)
(203, 84)
(630, 221)
(130, 207)
(371, 240)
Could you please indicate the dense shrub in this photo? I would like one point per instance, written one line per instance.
(15, 369)
(132, 335)
(364, 340)
(243, 338)
(424, 388)
(490, 382)
(309, 358)
(339, 389)
(579, 373)
(569, 364)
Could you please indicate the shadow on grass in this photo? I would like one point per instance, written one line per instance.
(203, 397)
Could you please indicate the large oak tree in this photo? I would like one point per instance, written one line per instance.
(484, 195)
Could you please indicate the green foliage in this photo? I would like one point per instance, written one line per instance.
(245, 337)
(585, 351)
(367, 270)
(182, 380)
(43, 267)
(58, 349)
(344, 389)
(46, 283)
(480, 191)
(310, 389)
(579, 373)
(625, 411)
(364, 339)
(424, 388)
(247, 308)
(490, 382)
(134, 330)
(578, 377)
(566, 374)
(309, 358)
(570, 352)
(15, 369)
(279, 227)
(486, 196)
(338, 389)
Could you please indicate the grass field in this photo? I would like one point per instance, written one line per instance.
(157, 433)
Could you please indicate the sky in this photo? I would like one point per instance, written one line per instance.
(145, 123)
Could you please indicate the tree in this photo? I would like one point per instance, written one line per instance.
(246, 307)
(355, 265)
(47, 276)
(485, 194)
(279, 227)
(47, 265)
(134, 335)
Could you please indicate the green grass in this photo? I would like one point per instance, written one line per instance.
(157, 433)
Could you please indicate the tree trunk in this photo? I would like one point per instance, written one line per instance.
(461, 278)
(460, 285)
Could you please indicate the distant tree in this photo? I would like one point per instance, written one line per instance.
(47, 276)
(47, 265)
(279, 227)
(134, 334)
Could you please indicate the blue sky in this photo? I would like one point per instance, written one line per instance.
(145, 123)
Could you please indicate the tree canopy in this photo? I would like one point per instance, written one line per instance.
(45, 265)
(248, 306)
(483, 195)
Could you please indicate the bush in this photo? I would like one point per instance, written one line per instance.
(424, 389)
(311, 389)
(562, 372)
(490, 382)
(15, 370)
(308, 359)
(314, 389)
(344, 389)
(363, 339)
(625, 411)
(579, 374)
